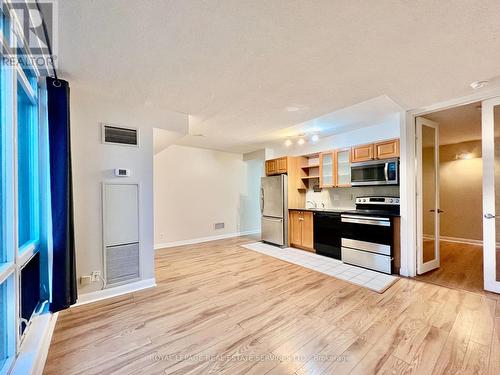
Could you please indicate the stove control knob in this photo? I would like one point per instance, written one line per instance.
(391, 200)
(397, 200)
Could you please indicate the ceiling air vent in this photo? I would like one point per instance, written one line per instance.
(120, 135)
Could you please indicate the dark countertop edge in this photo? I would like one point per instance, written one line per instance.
(353, 211)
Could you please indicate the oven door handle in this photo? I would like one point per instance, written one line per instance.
(379, 221)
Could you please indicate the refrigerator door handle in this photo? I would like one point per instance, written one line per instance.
(261, 200)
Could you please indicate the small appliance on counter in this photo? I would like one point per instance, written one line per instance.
(274, 209)
(368, 233)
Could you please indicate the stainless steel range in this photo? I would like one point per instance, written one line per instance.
(368, 233)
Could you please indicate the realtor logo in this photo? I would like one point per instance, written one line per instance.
(33, 31)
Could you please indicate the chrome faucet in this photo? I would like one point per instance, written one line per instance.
(315, 205)
(322, 204)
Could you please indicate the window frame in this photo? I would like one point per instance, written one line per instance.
(16, 258)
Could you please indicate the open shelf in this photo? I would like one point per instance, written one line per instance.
(309, 177)
(310, 166)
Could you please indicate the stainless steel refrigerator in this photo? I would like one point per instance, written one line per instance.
(274, 209)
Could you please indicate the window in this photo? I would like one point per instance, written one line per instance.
(23, 270)
(3, 324)
(27, 168)
(7, 323)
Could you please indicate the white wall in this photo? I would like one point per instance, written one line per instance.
(93, 163)
(195, 188)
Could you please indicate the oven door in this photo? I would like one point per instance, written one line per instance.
(367, 233)
(375, 173)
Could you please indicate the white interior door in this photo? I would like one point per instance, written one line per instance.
(491, 193)
(427, 195)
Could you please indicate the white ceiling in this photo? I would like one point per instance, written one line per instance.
(235, 66)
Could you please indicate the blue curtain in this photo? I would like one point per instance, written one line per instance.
(64, 291)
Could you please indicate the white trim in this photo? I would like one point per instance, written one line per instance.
(139, 227)
(407, 195)
(423, 267)
(204, 239)
(103, 134)
(469, 241)
(408, 177)
(114, 292)
(491, 282)
(35, 347)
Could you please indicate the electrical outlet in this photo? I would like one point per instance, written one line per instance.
(85, 280)
(162, 236)
(96, 276)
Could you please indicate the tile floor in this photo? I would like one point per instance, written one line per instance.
(376, 281)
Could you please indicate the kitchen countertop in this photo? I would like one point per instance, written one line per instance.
(347, 211)
(323, 209)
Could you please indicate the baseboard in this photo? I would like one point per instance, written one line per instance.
(114, 292)
(204, 239)
(467, 241)
(35, 348)
(461, 240)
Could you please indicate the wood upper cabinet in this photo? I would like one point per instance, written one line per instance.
(270, 167)
(301, 229)
(387, 149)
(380, 150)
(327, 169)
(281, 165)
(362, 153)
(277, 166)
(343, 167)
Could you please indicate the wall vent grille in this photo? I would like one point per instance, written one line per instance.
(219, 226)
(120, 135)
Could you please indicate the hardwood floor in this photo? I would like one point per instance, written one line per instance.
(461, 267)
(220, 308)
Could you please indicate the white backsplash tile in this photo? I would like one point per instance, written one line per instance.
(345, 198)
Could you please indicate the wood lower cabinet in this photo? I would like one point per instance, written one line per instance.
(387, 149)
(362, 153)
(301, 229)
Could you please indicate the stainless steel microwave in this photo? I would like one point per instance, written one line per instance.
(376, 172)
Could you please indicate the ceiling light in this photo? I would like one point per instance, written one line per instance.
(288, 143)
(301, 141)
(478, 84)
(315, 138)
(464, 156)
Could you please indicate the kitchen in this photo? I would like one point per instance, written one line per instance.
(342, 204)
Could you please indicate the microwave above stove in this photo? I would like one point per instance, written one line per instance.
(375, 172)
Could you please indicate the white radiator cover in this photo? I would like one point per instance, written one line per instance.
(121, 233)
(122, 263)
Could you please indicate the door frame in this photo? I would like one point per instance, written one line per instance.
(423, 267)
(489, 196)
(408, 173)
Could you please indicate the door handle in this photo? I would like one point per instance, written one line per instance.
(261, 200)
(439, 211)
(489, 216)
